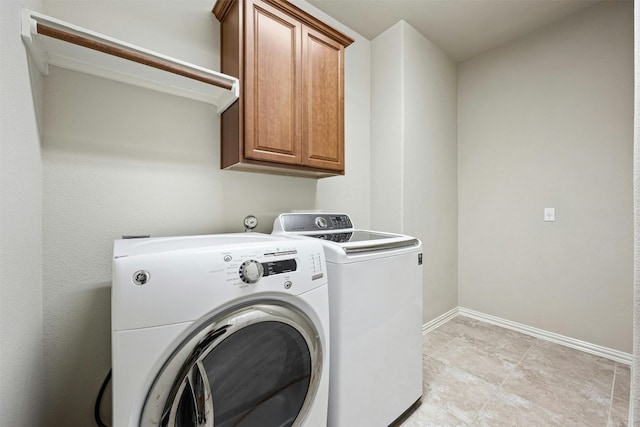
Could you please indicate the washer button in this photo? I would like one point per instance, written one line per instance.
(288, 284)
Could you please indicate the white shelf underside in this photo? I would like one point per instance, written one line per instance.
(47, 50)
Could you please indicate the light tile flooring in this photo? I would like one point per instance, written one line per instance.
(478, 374)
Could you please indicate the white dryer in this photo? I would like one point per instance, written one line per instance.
(221, 330)
(375, 302)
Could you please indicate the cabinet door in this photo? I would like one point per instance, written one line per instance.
(272, 86)
(323, 101)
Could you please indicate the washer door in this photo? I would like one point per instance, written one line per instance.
(254, 366)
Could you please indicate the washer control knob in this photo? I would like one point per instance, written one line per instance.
(321, 222)
(251, 271)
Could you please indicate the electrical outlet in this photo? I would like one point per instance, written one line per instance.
(549, 214)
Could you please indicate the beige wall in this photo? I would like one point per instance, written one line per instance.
(634, 407)
(123, 160)
(414, 154)
(546, 121)
(21, 357)
(387, 125)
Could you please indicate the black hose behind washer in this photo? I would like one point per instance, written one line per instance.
(96, 409)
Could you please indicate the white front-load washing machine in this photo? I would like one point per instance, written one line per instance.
(375, 302)
(220, 330)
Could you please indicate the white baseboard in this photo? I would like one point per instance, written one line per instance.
(607, 353)
(440, 320)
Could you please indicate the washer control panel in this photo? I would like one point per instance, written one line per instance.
(309, 222)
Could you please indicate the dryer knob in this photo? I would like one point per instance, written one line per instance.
(251, 271)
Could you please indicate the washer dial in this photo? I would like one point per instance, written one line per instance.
(321, 222)
(251, 271)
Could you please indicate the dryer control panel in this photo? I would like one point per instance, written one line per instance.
(258, 267)
(162, 280)
(251, 271)
(250, 268)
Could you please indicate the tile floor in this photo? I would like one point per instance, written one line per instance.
(478, 374)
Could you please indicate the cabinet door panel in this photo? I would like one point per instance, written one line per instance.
(323, 100)
(272, 115)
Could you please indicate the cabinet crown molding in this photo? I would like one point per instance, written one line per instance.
(221, 8)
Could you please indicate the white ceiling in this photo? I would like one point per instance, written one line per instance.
(462, 28)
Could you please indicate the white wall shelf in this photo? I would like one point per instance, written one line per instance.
(54, 42)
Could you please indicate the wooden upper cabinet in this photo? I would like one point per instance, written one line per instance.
(272, 86)
(290, 114)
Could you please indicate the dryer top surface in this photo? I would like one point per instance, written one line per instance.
(147, 246)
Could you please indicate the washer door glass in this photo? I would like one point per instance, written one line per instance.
(256, 366)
